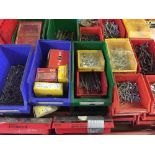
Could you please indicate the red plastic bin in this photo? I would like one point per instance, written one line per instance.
(132, 108)
(118, 22)
(150, 79)
(92, 30)
(78, 127)
(140, 42)
(25, 126)
(80, 92)
(7, 28)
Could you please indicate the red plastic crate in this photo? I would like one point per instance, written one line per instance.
(140, 42)
(118, 22)
(129, 108)
(92, 30)
(82, 92)
(78, 127)
(25, 126)
(7, 28)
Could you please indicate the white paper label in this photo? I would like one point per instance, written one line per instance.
(12, 111)
(95, 126)
(57, 103)
(89, 103)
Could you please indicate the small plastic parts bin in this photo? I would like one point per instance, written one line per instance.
(72, 125)
(127, 51)
(137, 28)
(62, 25)
(116, 21)
(138, 42)
(82, 92)
(149, 79)
(7, 28)
(92, 30)
(132, 108)
(43, 31)
(103, 101)
(39, 61)
(16, 55)
(30, 126)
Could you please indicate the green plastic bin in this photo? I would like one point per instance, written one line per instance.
(102, 101)
(44, 28)
(61, 24)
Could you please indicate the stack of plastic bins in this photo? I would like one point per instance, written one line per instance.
(116, 21)
(131, 109)
(40, 58)
(63, 25)
(103, 101)
(74, 125)
(43, 32)
(137, 28)
(41, 126)
(7, 28)
(16, 55)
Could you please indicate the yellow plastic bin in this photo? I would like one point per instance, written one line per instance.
(121, 55)
(137, 28)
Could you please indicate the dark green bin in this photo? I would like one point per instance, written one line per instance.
(61, 24)
(44, 28)
(103, 101)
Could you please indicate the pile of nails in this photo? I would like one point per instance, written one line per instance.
(88, 22)
(120, 59)
(111, 30)
(89, 37)
(65, 35)
(153, 88)
(128, 92)
(145, 58)
(91, 82)
(11, 93)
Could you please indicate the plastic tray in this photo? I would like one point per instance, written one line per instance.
(137, 28)
(91, 30)
(140, 42)
(118, 22)
(40, 58)
(132, 108)
(81, 92)
(43, 32)
(150, 79)
(61, 24)
(103, 101)
(125, 45)
(15, 55)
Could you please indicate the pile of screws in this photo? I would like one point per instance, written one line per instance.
(65, 35)
(88, 22)
(153, 88)
(128, 92)
(120, 59)
(111, 30)
(89, 60)
(145, 58)
(89, 37)
(91, 82)
(11, 93)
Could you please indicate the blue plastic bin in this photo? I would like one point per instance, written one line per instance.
(40, 59)
(16, 55)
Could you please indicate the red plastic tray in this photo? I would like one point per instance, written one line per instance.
(21, 127)
(92, 30)
(140, 42)
(118, 22)
(129, 108)
(81, 92)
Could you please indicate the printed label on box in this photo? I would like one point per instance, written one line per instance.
(12, 111)
(89, 103)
